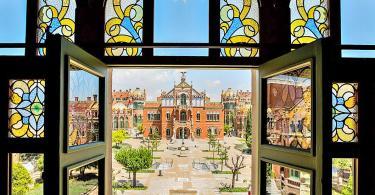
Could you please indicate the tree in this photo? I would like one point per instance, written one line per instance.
(40, 163)
(21, 179)
(118, 136)
(83, 169)
(269, 175)
(342, 163)
(134, 160)
(348, 188)
(249, 127)
(140, 129)
(237, 164)
(211, 140)
(227, 129)
(155, 141)
(223, 156)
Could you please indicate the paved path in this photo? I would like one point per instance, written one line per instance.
(182, 178)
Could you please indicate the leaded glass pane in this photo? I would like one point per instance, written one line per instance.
(124, 24)
(26, 108)
(239, 23)
(27, 173)
(345, 112)
(59, 17)
(309, 20)
(286, 180)
(289, 108)
(83, 107)
(343, 176)
(84, 179)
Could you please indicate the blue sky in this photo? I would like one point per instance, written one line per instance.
(155, 80)
(187, 21)
(83, 85)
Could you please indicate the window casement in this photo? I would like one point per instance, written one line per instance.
(168, 116)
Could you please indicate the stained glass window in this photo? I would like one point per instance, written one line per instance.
(239, 23)
(344, 112)
(124, 24)
(57, 16)
(26, 108)
(309, 20)
(83, 107)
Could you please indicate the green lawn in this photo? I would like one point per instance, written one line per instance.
(221, 172)
(236, 189)
(81, 187)
(146, 171)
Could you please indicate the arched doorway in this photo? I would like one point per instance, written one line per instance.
(183, 133)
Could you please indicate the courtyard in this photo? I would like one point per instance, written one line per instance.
(191, 171)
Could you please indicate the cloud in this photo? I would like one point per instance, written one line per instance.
(155, 80)
(213, 83)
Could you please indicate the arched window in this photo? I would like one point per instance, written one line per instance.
(183, 116)
(212, 130)
(309, 21)
(183, 99)
(236, 18)
(122, 122)
(126, 122)
(168, 132)
(123, 24)
(115, 123)
(198, 132)
(59, 17)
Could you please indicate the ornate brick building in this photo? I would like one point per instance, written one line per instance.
(183, 112)
(127, 108)
(83, 120)
(237, 104)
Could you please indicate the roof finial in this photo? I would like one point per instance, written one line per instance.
(183, 76)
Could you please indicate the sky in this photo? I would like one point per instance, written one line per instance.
(155, 80)
(187, 21)
(82, 85)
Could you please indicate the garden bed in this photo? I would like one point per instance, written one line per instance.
(236, 189)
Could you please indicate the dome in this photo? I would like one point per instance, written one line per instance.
(138, 92)
(119, 106)
(229, 93)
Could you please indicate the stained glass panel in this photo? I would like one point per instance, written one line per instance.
(124, 24)
(309, 20)
(344, 112)
(57, 16)
(239, 23)
(26, 108)
(285, 180)
(289, 108)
